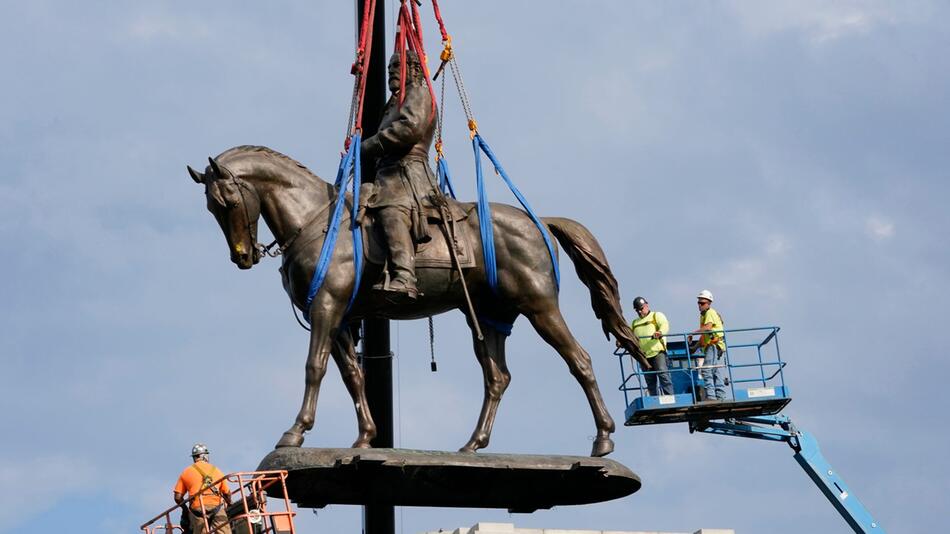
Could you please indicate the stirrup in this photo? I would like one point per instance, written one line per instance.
(402, 287)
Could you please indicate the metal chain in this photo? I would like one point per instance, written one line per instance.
(439, 117)
(432, 365)
(265, 250)
(460, 84)
(351, 121)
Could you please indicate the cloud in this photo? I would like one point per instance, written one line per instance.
(163, 26)
(120, 300)
(28, 486)
(755, 273)
(675, 448)
(776, 245)
(879, 228)
(820, 22)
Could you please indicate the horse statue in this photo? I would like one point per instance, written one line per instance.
(246, 183)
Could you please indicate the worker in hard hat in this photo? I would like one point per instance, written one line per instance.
(209, 493)
(712, 346)
(650, 328)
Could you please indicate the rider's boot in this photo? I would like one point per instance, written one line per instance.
(395, 223)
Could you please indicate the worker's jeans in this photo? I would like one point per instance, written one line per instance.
(658, 363)
(714, 373)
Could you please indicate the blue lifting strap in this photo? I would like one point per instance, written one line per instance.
(445, 178)
(350, 162)
(485, 226)
(503, 328)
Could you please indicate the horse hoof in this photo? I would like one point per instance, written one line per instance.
(477, 441)
(289, 439)
(472, 446)
(362, 444)
(602, 447)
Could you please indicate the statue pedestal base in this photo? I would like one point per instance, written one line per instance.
(401, 477)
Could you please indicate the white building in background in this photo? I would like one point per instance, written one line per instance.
(509, 528)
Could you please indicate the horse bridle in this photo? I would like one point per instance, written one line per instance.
(262, 249)
(240, 185)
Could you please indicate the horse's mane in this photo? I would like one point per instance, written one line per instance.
(242, 150)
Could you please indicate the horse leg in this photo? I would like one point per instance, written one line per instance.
(344, 353)
(491, 356)
(552, 328)
(324, 327)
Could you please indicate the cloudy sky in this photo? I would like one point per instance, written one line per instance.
(792, 157)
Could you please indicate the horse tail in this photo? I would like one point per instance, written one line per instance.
(594, 271)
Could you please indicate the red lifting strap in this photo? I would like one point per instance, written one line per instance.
(417, 22)
(438, 17)
(361, 66)
(409, 36)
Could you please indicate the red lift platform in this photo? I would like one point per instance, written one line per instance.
(249, 514)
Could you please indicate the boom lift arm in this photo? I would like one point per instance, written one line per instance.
(807, 454)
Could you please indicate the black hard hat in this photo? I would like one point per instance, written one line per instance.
(639, 302)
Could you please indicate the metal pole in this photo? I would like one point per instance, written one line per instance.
(377, 355)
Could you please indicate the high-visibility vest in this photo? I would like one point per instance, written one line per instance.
(206, 481)
(207, 485)
(711, 339)
(656, 326)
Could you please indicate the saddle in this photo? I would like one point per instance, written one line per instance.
(433, 254)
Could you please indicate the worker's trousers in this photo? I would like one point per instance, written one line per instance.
(714, 373)
(659, 372)
(218, 523)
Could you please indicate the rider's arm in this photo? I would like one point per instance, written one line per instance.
(408, 129)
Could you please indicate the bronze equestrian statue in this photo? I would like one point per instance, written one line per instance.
(246, 183)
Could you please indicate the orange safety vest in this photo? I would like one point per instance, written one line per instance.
(207, 484)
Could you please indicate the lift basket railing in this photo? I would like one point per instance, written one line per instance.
(248, 513)
(752, 360)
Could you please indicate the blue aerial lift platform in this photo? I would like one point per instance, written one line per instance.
(757, 394)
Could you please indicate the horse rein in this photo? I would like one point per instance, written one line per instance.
(265, 250)
(262, 249)
(281, 248)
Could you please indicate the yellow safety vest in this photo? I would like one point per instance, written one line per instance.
(711, 316)
(651, 347)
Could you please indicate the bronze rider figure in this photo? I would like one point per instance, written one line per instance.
(404, 180)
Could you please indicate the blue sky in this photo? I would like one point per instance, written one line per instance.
(790, 156)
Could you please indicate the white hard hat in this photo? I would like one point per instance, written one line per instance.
(199, 449)
(705, 294)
